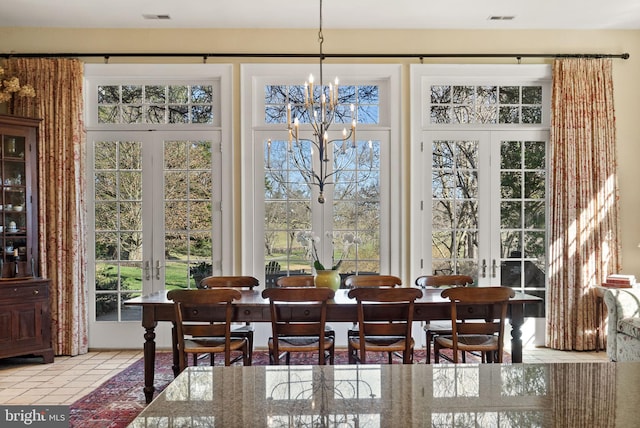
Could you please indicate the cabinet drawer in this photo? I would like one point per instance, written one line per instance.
(24, 292)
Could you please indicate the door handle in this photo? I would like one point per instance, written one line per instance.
(158, 266)
(484, 268)
(493, 268)
(147, 270)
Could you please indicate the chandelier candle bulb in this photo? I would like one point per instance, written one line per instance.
(331, 104)
(325, 142)
(353, 134)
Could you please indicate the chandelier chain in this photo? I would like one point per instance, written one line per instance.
(321, 42)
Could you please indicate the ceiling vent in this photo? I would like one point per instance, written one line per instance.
(501, 18)
(154, 16)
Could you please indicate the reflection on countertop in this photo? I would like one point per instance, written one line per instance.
(465, 395)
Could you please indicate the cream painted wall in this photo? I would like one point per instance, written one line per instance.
(626, 72)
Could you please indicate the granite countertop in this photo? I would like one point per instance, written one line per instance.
(531, 395)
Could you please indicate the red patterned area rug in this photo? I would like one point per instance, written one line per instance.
(115, 403)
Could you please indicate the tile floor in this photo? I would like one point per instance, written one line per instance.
(26, 381)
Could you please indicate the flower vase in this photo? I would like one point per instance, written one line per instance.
(328, 279)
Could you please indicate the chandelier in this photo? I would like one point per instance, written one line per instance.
(321, 106)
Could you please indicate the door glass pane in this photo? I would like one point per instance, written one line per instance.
(356, 211)
(287, 211)
(188, 210)
(118, 228)
(523, 215)
(355, 236)
(455, 207)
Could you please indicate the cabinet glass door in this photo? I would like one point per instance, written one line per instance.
(15, 253)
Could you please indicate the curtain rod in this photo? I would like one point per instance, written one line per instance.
(106, 55)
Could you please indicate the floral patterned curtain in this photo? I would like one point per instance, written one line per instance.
(58, 101)
(584, 246)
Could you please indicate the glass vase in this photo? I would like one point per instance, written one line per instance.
(327, 278)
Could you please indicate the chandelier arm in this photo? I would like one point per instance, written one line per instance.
(299, 159)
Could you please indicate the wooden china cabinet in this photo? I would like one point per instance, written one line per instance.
(25, 314)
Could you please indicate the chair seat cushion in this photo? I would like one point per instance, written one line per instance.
(380, 344)
(211, 344)
(300, 344)
(474, 342)
(630, 326)
(439, 326)
(242, 329)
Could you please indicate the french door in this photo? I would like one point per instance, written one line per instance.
(154, 217)
(484, 206)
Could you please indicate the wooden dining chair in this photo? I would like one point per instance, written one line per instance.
(436, 281)
(302, 281)
(239, 283)
(295, 281)
(385, 318)
(198, 331)
(353, 281)
(298, 322)
(485, 335)
(434, 328)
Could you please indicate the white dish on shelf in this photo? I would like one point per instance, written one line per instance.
(17, 208)
(14, 230)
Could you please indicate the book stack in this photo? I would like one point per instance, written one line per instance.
(620, 281)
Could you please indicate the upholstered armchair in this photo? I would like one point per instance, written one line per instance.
(623, 324)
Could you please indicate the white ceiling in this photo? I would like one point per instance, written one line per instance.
(348, 14)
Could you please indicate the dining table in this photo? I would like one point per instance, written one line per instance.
(252, 307)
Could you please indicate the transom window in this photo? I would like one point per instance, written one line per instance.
(364, 98)
(486, 104)
(188, 103)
